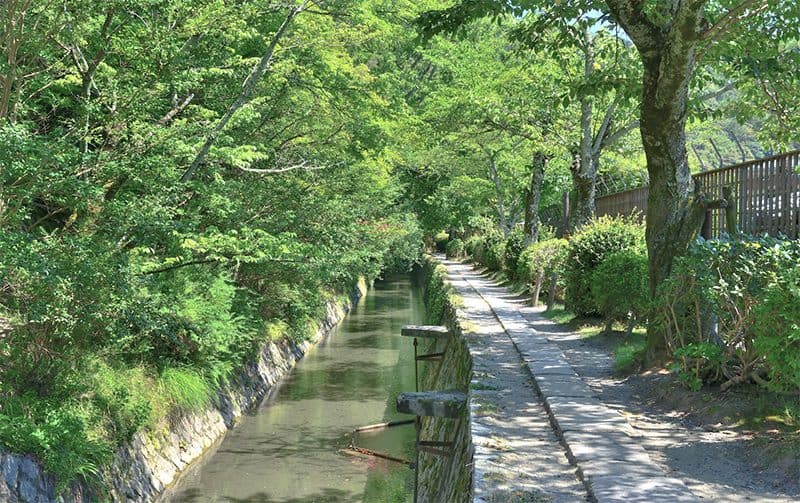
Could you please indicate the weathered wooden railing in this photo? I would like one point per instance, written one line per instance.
(765, 192)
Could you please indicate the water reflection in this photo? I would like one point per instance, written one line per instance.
(289, 451)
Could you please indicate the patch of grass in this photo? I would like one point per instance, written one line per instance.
(469, 327)
(559, 315)
(589, 331)
(629, 356)
(487, 409)
(186, 389)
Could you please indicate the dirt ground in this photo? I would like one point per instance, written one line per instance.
(700, 437)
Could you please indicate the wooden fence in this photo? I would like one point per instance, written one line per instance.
(766, 193)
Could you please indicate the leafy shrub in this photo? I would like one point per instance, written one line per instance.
(472, 243)
(495, 255)
(776, 327)
(620, 287)
(712, 298)
(485, 251)
(515, 243)
(455, 248)
(588, 248)
(436, 290)
(59, 434)
(539, 262)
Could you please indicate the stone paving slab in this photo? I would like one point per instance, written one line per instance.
(551, 386)
(552, 368)
(612, 464)
(605, 446)
(634, 489)
(584, 414)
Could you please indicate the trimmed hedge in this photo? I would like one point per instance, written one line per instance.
(455, 248)
(588, 249)
(620, 287)
(515, 244)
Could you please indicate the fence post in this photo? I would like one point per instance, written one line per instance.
(706, 229)
(730, 211)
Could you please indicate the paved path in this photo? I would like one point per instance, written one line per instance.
(531, 412)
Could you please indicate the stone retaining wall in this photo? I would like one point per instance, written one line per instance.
(154, 459)
(446, 478)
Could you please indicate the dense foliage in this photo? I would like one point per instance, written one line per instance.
(515, 244)
(542, 263)
(620, 288)
(729, 312)
(181, 182)
(588, 248)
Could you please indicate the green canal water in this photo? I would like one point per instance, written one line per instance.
(289, 449)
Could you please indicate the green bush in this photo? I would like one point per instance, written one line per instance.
(455, 248)
(776, 326)
(60, 434)
(495, 255)
(539, 262)
(620, 287)
(472, 243)
(515, 244)
(588, 248)
(436, 291)
(485, 251)
(720, 294)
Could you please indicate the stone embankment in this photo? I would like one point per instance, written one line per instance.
(154, 459)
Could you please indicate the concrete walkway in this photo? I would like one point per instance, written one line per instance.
(531, 413)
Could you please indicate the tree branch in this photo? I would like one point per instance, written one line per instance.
(247, 90)
(733, 16)
(176, 110)
(303, 165)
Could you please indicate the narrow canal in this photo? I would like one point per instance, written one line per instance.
(289, 449)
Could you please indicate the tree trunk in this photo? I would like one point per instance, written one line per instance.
(675, 213)
(551, 294)
(537, 287)
(533, 196)
(584, 177)
(498, 189)
(583, 181)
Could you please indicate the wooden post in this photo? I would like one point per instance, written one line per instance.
(731, 224)
(706, 229)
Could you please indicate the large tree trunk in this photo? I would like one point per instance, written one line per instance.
(674, 213)
(533, 196)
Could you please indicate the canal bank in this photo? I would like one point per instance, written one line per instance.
(293, 447)
(154, 459)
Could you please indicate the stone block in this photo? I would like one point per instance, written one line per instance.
(450, 404)
(560, 367)
(563, 386)
(584, 414)
(428, 331)
(603, 447)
